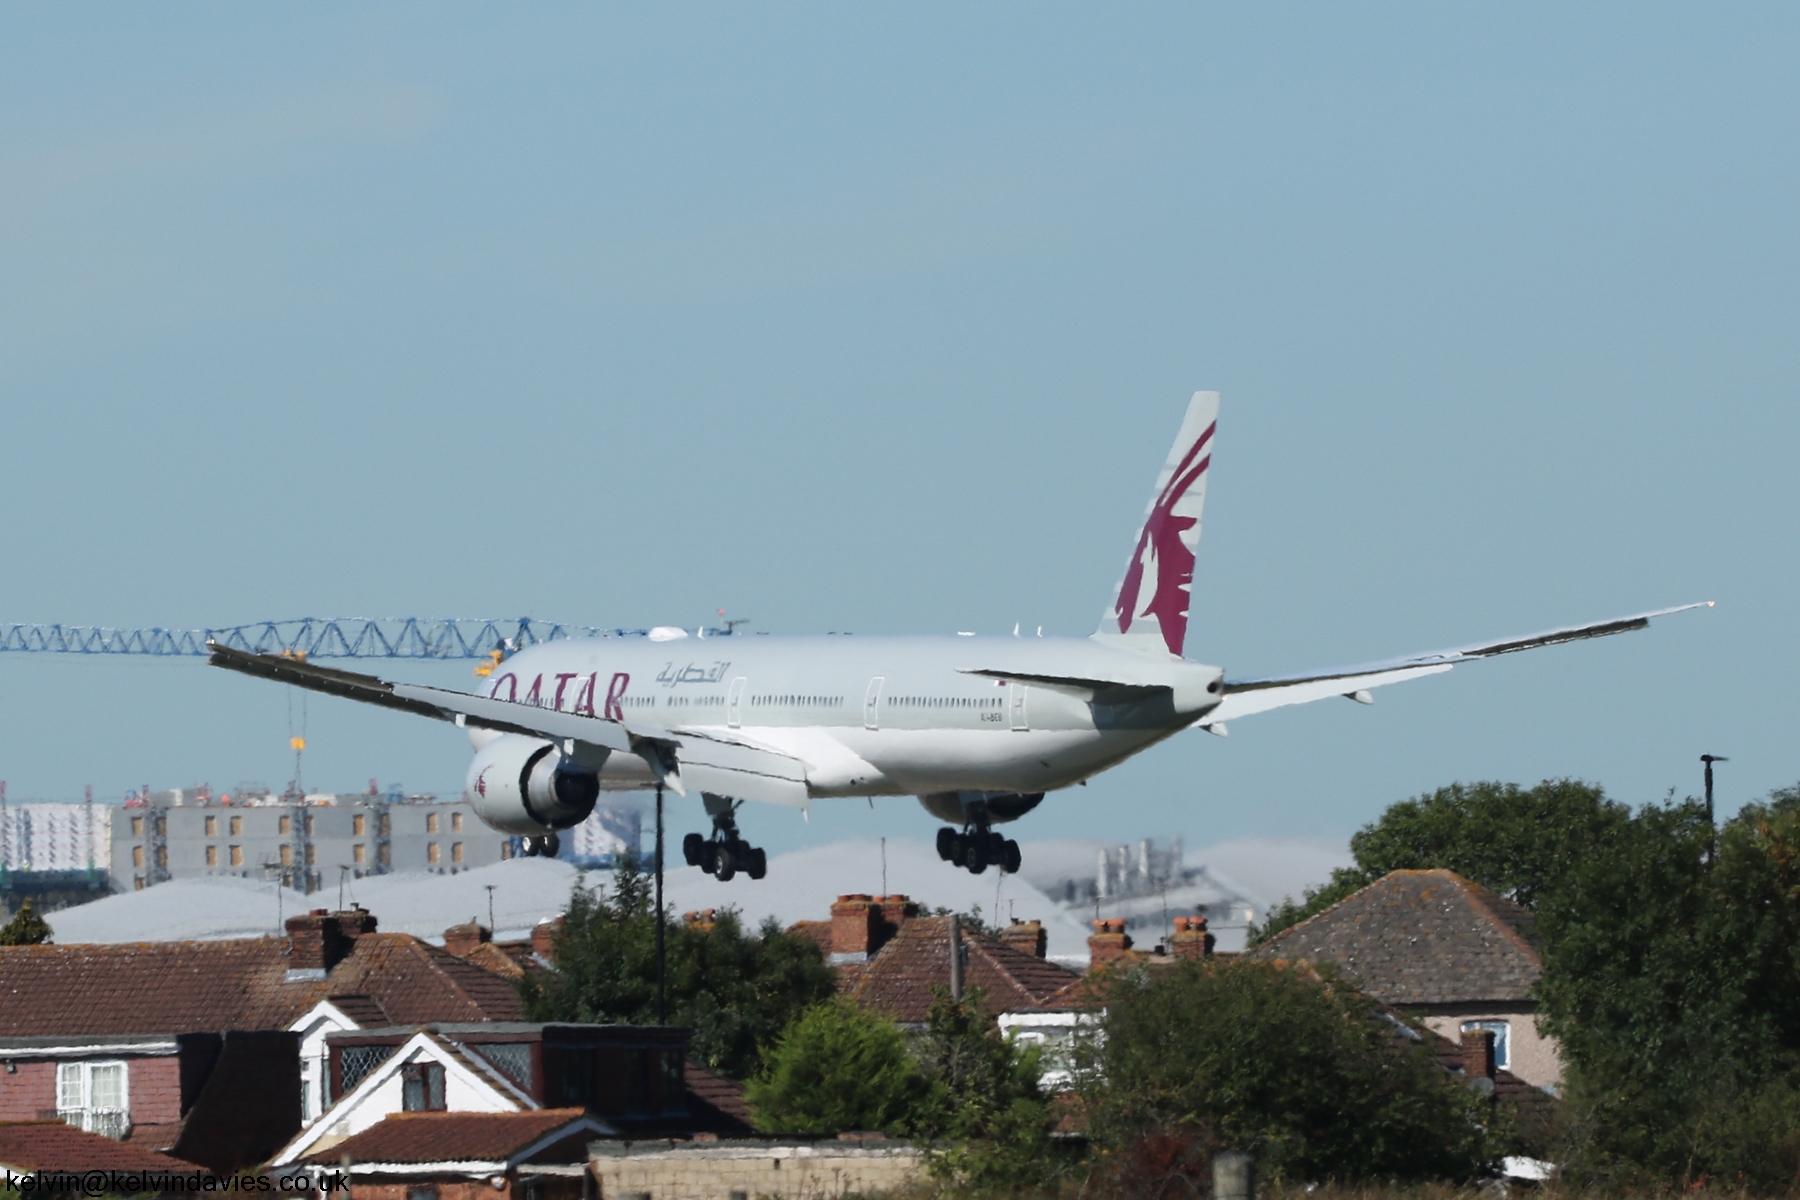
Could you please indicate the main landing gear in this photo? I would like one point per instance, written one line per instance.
(724, 854)
(547, 846)
(977, 848)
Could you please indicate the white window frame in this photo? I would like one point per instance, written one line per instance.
(75, 1081)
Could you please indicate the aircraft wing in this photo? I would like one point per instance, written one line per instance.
(684, 758)
(1244, 697)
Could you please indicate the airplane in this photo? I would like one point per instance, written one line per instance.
(978, 728)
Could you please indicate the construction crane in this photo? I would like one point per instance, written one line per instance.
(492, 639)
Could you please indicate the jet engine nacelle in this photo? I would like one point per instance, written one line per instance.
(964, 808)
(521, 785)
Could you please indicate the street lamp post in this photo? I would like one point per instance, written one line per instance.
(1711, 824)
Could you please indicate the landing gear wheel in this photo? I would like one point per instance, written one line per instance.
(708, 857)
(977, 859)
(946, 844)
(530, 848)
(550, 845)
(756, 863)
(724, 863)
(693, 848)
(1010, 858)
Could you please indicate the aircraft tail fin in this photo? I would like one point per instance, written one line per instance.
(1149, 611)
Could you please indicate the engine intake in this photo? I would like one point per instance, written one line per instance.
(521, 785)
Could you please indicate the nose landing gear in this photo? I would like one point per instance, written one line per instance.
(977, 848)
(725, 853)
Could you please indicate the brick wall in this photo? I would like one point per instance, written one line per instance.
(549, 1188)
(153, 1088)
(696, 1171)
(28, 1091)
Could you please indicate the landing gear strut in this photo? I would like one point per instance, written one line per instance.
(977, 848)
(725, 853)
(547, 846)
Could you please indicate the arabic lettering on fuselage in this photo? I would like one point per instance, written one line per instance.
(692, 673)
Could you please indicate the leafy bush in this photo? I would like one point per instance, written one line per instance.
(1205, 1056)
(837, 1068)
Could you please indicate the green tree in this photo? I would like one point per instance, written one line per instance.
(985, 1100)
(736, 990)
(1672, 979)
(1517, 841)
(837, 1068)
(25, 929)
(1209, 1055)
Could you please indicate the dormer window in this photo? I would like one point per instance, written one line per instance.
(422, 1087)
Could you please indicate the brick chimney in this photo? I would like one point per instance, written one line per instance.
(896, 910)
(855, 928)
(543, 938)
(1190, 939)
(1028, 936)
(1109, 941)
(355, 921)
(461, 940)
(1478, 1053)
(315, 944)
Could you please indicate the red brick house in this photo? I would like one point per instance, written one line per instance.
(195, 1048)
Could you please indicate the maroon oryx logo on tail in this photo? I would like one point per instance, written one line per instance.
(1160, 549)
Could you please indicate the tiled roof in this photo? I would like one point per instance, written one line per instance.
(53, 1146)
(364, 1009)
(1421, 937)
(182, 987)
(730, 1112)
(458, 1137)
(897, 982)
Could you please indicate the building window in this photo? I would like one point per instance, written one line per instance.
(423, 1087)
(357, 853)
(387, 825)
(212, 827)
(358, 825)
(91, 1096)
(455, 852)
(312, 854)
(309, 824)
(137, 883)
(287, 853)
(212, 856)
(455, 822)
(137, 827)
(381, 854)
(137, 856)
(237, 856)
(431, 823)
(422, 1191)
(162, 856)
(237, 827)
(431, 852)
(287, 825)
(1502, 1039)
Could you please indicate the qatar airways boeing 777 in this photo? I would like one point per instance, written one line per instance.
(978, 728)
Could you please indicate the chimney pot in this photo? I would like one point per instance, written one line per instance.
(1191, 940)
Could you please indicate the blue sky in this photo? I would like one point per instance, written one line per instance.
(881, 319)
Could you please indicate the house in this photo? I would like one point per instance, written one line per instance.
(149, 1042)
(888, 958)
(1434, 945)
(534, 1155)
(634, 1080)
(51, 1145)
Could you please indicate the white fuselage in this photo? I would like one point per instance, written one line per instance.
(871, 716)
